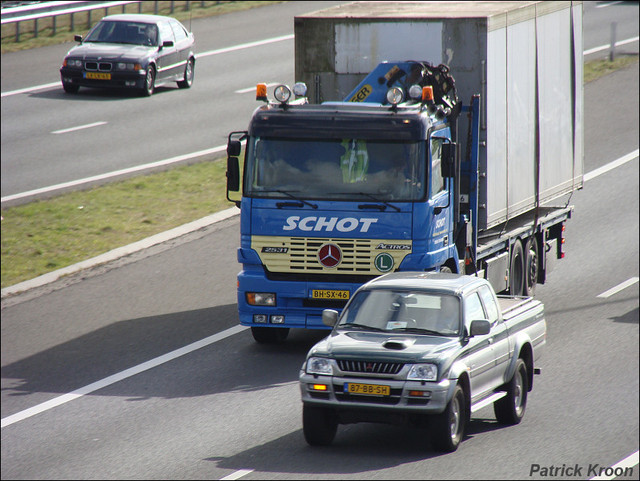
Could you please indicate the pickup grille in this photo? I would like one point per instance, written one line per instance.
(370, 367)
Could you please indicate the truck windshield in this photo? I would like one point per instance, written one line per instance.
(338, 169)
(394, 310)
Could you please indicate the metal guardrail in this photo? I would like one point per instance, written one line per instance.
(34, 12)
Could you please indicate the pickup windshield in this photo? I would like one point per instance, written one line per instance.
(392, 310)
(337, 169)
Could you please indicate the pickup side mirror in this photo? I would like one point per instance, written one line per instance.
(329, 317)
(480, 328)
(448, 160)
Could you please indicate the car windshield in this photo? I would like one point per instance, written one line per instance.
(346, 169)
(393, 310)
(134, 33)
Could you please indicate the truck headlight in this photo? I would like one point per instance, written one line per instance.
(261, 298)
(423, 372)
(319, 365)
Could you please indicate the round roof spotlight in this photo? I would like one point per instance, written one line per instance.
(300, 89)
(282, 93)
(395, 95)
(415, 92)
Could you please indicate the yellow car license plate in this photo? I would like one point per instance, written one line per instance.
(98, 75)
(367, 389)
(328, 294)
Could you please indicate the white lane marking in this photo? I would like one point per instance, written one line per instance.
(245, 45)
(620, 468)
(237, 475)
(116, 173)
(607, 46)
(65, 398)
(253, 89)
(198, 55)
(31, 89)
(605, 5)
(618, 288)
(81, 127)
(611, 165)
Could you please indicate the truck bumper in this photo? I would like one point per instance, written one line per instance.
(403, 401)
(294, 307)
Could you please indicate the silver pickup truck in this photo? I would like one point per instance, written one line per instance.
(420, 348)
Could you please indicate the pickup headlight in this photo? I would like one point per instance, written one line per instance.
(423, 372)
(319, 365)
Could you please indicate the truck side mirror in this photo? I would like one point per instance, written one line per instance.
(233, 174)
(480, 328)
(448, 160)
(233, 148)
(329, 317)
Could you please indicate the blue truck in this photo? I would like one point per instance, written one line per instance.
(397, 175)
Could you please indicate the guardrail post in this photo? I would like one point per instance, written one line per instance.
(17, 32)
(612, 46)
(155, 7)
(88, 19)
(35, 28)
(53, 26)
(71, 24)
(187, 6)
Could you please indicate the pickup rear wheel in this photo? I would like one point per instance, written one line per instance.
(269, 335)
(319, 425)
(510, 409)
(449, 426)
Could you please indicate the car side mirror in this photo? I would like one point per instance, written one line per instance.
(167, 43)
(329, 317)
(480, 327)
(78, 38)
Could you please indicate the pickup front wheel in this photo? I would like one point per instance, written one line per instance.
(510, 409)
(449, 427)
(319, 425)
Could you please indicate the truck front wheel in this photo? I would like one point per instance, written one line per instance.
(269, 335)
(319, 425)
(510, 409)
(449, 426)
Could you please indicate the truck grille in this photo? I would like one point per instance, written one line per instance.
(299, 255)
(370, 367)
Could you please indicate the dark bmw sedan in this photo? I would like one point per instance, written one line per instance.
(131, 51)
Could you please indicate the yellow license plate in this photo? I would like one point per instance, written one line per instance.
(327, 294)
(99, 76)
(367, 389)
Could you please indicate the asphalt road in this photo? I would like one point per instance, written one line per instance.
(227, 407)
(117, 131)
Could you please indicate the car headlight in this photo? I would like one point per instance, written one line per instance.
(73, 62)
(125, 66)
(319, 365)
(423, 372)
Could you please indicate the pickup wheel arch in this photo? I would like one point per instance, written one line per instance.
(511, 408)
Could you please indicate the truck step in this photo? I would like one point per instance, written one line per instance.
(486, 401)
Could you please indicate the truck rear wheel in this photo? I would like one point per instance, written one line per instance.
(517, 282)
(510, 409)
(269, 335)
(531, 266)
(319, 425)
(449, 426)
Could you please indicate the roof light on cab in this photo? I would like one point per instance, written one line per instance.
(300, 89)
(261, 92)
(282, 93)
(395, 95)
(427, 94)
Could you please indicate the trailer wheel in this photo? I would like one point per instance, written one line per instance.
(517, 282)
(449, 426)
(532, 261)
(319, 425)
(269, 335)
(510, 409)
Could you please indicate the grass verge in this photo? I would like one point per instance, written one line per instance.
(43, 236)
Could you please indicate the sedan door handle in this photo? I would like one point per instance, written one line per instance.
(490, 340)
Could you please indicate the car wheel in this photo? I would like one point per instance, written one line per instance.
(188, 75)
(70, 88)
(269, 335)
(517, 271)
(149, 82)
(449, 426)
(319, 425)
(510, 409)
